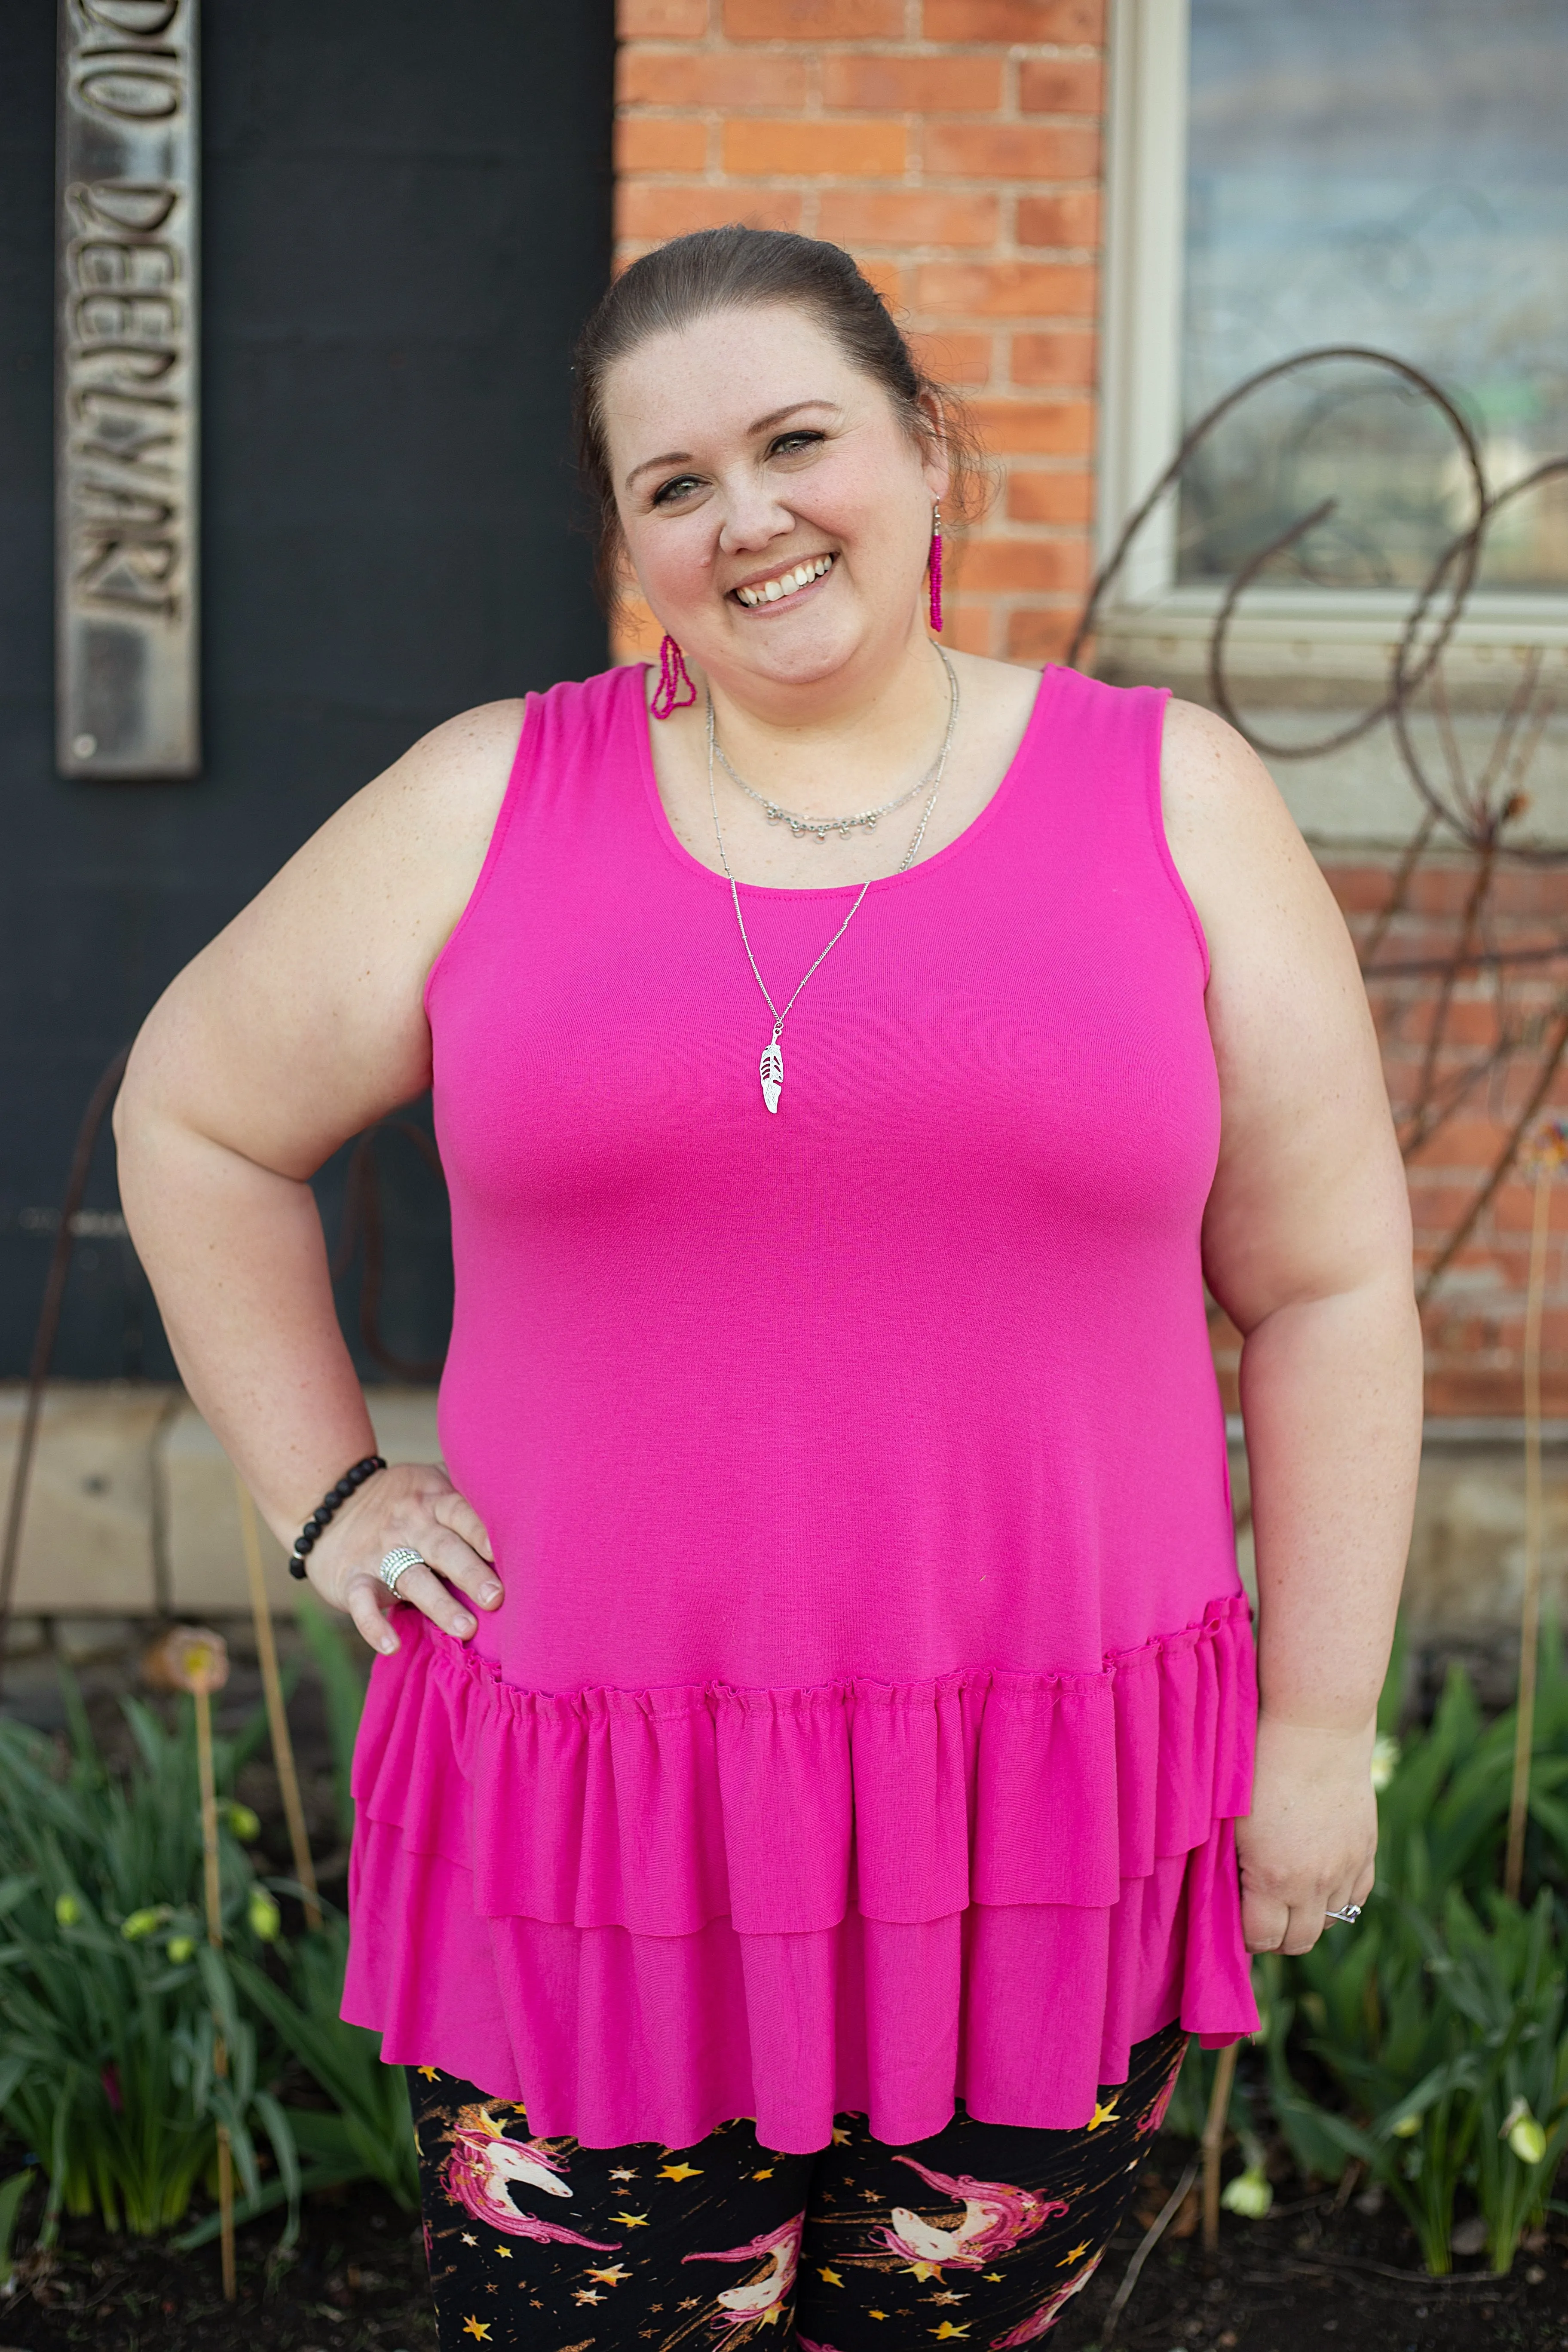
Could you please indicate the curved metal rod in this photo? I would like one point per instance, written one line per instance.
(1242, 581)
(1501, 1166)
(363, 1223)
(48, 1330)
(1429, 390)
(1405, 680)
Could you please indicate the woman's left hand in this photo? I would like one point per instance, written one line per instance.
(1307, 1846)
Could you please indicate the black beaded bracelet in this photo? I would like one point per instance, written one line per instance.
(329, 1503)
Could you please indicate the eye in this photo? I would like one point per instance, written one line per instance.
(791, 444)
(680, 486)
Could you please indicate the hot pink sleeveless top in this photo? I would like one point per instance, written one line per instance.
(872, 1699)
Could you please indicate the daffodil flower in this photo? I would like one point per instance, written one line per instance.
(143, 1922)
(1524, 2136)
(265, 1917)
(1248, 2193)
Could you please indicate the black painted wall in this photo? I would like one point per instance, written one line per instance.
(407, 216)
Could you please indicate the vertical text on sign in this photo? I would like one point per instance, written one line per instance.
(127, 681)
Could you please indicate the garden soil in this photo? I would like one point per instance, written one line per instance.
(1316, 2273)
(1310, 2275)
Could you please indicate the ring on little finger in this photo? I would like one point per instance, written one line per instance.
(1350, 1914)
(397, 1563)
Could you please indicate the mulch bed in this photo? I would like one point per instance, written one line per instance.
(1314, 2273)
(354, 2283)
(1309, 2275)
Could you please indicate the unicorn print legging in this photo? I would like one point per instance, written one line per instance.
(981, 2235)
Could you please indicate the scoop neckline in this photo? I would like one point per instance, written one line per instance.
(977, 824)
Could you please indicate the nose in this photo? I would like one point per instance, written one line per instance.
(752, 516)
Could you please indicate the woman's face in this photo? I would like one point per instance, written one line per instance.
(746, 451)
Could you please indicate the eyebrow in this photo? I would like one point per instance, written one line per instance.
(761, 424)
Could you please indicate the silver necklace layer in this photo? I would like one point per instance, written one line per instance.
(769, 1070)
(819, 827)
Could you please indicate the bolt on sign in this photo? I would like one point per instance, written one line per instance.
(127, 686)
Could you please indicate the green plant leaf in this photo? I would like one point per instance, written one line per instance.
(12, 2192)
(344, 1684)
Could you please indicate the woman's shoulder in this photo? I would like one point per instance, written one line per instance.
(1223, 810)
(1258, 890)
(1008, 689)
(451, 781)
(445, 791)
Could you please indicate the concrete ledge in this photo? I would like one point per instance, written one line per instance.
(132, 1510)
(88, 1542)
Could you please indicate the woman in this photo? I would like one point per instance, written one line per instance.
(815, 1715)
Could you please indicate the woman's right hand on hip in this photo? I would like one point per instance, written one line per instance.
(411, 1504)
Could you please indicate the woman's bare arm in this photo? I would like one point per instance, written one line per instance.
(300, 1025)
(1307, 1248)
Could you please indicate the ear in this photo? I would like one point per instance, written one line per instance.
(625, 595)
(934, 463)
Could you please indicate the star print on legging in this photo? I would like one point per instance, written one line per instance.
(980, 2236)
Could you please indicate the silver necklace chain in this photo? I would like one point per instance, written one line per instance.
(819, 827)
(771, 1067)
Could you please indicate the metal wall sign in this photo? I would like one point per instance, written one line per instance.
(127, 686)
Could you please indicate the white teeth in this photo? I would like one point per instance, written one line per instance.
(772, 590)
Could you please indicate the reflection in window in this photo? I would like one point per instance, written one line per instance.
(1384, 173)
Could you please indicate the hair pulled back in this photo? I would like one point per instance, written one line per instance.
(737, 268)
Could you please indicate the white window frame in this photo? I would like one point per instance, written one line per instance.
(1141, 387)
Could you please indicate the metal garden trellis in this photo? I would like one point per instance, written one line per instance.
(1472, 814)
(1475, 813)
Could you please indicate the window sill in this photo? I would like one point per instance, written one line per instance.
(1327, 635)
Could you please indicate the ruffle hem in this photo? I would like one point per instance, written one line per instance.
(643, 1913)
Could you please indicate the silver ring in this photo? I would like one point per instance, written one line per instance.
(397, 1563)
(1350, 1914)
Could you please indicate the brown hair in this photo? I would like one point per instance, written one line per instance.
(735, 268)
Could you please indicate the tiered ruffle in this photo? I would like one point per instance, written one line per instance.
(644, 1912)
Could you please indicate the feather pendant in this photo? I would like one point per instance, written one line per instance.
(771, 1072)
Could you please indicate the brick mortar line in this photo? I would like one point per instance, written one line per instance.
(937, 323)
(969, 256)
(914, 178)
(650, 110)
(849, 45)
(954, 184)
(793, 183)
(813, 54)
(947, 257)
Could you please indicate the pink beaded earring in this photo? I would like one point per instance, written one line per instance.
(936, 567)
(672, 677)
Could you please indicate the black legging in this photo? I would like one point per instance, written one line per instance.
(979, 2235)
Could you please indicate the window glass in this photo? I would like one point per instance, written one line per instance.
(1392, 174)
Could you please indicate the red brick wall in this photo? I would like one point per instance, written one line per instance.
(953, 146)
(1492, 1061)
(1481, 1057)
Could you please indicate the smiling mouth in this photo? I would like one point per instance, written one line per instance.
(786, 583)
